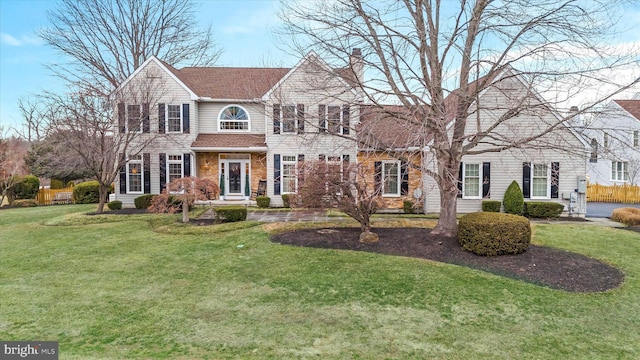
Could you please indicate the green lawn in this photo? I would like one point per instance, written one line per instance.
(137, 287)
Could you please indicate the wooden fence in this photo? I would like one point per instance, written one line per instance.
(46, 196)
(629, 194)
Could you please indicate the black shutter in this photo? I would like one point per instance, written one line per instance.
(404, 172)
(161, 121)
(377, 177)
(486, 180)
(186, 164)
(122, 119)
(322, 114)
(146, 172)
(185, 118)
(345, 167)
(345, 119)
(162, 159)
(555, 179)
(123, 175)
(276, 174)
(145, 118)
(300, 118)
(526, 180)
(460, 180)
(276, 118)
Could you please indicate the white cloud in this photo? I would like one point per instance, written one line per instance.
(10, 40)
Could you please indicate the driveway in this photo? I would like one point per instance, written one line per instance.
(602, 210)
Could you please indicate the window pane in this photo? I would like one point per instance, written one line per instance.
(135, 177)
(133, 119)
(288, 178)
(334, 119)
(175, 171)
(390, 173)
(234, 118)
(471, 179)
(539, 187)
(288, 118)
(173, 118)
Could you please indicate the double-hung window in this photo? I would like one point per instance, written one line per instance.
(619, 171)
(333, 119)
(391, 178)
(134, 174)
(174, 167)
(134, 118)
(636, 139)
(472, 184)
(540, 184)
(288, 118)
(289, 171)
(174, 118)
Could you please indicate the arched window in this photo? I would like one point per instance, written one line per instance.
(233, 118)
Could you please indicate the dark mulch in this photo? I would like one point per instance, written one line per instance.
(539, 264)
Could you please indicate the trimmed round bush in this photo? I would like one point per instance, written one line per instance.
(407, 207)
(491, 234)
(263, 201)
(26, 188)
(56, 184)
(114, 205)
(143, 201)
(513, 200)
(231, 213)
(538, 209)
(87, 192)
(491, 205)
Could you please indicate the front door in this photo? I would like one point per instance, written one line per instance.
(235, 178)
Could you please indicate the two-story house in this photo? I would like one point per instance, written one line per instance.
(236, 126)
(614, 136)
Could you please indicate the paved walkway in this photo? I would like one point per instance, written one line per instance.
(304, 215)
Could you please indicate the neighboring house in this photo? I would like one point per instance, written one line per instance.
(547, 169)
(614, 136)
(236, 126)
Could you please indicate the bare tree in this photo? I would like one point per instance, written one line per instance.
(435, 58)
(108, 39)
(12, 167)
(186, 191)
(341, 186)
(33, 113)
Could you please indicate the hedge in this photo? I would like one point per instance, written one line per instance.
(490, 233)
(629, 216)
(231, 213)
(491, 205)
(543, 209)
(87, 192)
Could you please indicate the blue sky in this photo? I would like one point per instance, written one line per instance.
(242, 28)
(23, 55)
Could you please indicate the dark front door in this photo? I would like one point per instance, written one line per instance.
(235, 178)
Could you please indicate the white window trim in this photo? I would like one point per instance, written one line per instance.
(295, 173)
(219, 120)
(141, 162)
(548, 182)
(635, 138)
(180, 162)
(166, 117)
(296, 119)
(625, 170)
(480, 180)
(399, 178)
(341, 121)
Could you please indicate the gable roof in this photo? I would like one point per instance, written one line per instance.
(388, 127)
(630, 106)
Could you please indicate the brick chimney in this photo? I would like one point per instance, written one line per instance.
(357, 64)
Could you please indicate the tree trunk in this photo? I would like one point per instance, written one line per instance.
(102, 194)
(447, 223)
(185, 211)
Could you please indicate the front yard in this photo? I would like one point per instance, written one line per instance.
(127, 287)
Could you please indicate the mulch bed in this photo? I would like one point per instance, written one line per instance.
(540, 265)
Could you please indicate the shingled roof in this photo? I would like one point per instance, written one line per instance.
(630, 106)
(229, 82)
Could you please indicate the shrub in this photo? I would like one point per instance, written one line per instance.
(87, 192)
(408, 206)
(491, 205)
(114, 205)
(490, 234)
(263, 201)
(543, 209)
(26, 188)
(285, 200)
(24, 203)
(56, 184)
(231, 213)
(513, 201)
(143, 201)
(628, 216)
